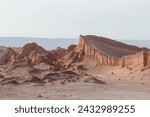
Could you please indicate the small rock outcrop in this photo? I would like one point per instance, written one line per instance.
(34, 54)
(8, 56)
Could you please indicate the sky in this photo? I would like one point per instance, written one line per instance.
(47, 43)
(117, 19)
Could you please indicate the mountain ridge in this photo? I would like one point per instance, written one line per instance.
(101, 49)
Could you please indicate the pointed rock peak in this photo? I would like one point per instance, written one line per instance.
(31, 47)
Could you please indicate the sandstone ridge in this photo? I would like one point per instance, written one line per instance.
(109, 52)
(30, 54)
(103, 51)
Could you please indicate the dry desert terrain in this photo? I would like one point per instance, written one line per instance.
(96, 68)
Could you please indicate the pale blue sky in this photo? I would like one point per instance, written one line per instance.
(117, 19)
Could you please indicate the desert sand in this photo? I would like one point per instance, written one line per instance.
(96, 68)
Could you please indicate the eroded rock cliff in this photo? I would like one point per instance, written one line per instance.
(102, 50)
(109, 52)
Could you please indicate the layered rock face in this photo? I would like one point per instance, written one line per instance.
(134, 61)
(111, 53)
(140, 59)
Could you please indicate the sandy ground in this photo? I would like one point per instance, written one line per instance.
(120, 85)
(113, 90)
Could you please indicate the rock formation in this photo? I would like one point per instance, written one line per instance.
(109, 52)
(2, 49)
(100, 49)
(31, 54)
(58, 52)
(35, 64)
(8, 56)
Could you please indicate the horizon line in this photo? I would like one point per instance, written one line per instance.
(68, 37)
